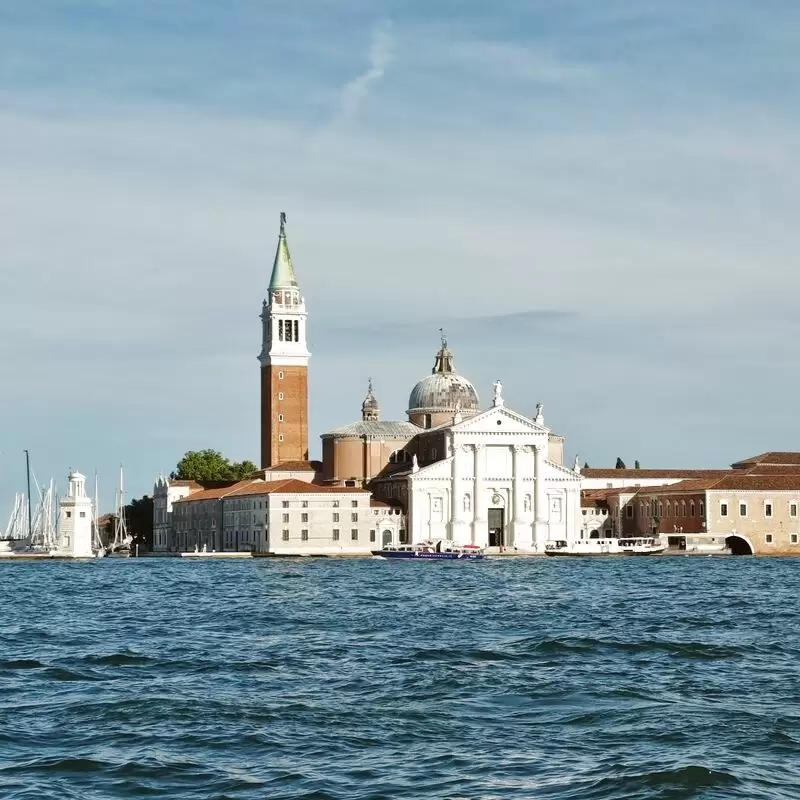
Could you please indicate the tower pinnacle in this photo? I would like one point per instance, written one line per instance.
(283, 276)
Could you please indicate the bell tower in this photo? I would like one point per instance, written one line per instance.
(284, 364)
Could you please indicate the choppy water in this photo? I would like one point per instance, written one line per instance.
(573, 679)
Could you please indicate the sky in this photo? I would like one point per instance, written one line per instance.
(597, 201)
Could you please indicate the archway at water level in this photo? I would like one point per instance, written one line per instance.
(738, 546)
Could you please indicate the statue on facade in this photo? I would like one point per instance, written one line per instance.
(414, 463)
(540, 413)
(498, 393)
(577, 465)
(527, 503)
(467, 503)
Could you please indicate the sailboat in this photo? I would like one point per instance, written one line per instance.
(121, 546)
(15, 536)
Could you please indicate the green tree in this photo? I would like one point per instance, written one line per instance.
(210, 465)
(243, 469)
(620, 463)
(586, 465)
(636, 465)
(139, 520)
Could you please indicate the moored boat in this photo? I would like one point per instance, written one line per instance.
(432, 551)
(628, 546)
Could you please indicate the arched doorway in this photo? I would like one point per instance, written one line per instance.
(738, 546)
(387, 538)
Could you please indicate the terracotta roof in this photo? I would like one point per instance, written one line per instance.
(773, 469)
(744, 482)
(790, 458)
(610, 472)
(295, 466)
(259, 487)
(760, 483)
(683, 487)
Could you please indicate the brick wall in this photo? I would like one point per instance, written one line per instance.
(284, 414)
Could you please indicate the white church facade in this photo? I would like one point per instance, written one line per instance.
(497, 484)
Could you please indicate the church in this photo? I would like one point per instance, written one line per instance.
(452, 470)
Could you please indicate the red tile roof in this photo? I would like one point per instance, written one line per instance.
(789, 458)
(610, 472)
(255, 486)
(295, 466)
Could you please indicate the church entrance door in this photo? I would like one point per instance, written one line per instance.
(496, 526)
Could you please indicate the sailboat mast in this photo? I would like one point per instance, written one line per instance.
(28, 471)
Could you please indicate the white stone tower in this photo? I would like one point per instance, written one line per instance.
(75, 520)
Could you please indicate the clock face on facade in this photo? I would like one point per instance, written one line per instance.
(497, 499)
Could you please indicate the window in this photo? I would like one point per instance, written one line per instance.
(433, 452)
(660, 510)
(280, 417)
(284, 504)
(702, 509)
(335, 534)
(372, 536)
(304, 535)
(280, 375)
(768, 538)
(336, 504)
(683, 508)
(304, 518)
(83, 514)
(742, 509)
(280, 330)
(284, 518)
(354, 517)
(793, 538)
(691, 508)
(629, 511)
(304, 504)
(335, 517)
(354, 503)
(280, 395)
(297, 330)
(584, 512)
(69, 515)
(723, 509)
(792, 509)
(280, 437)
(285, 535)
(768, 509)
(354, 535)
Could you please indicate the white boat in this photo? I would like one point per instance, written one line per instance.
(628, 546)
(440, 550)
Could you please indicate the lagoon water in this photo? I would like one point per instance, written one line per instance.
(541, 678)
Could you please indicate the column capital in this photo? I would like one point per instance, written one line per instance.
(479, 447)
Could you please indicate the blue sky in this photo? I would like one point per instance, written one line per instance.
(597, 200)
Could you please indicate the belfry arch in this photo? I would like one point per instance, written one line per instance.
(738, 545)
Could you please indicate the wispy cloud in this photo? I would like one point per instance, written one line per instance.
(380, 55)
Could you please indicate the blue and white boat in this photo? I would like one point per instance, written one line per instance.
(432, 551)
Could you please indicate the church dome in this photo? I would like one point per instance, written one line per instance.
(443, 392)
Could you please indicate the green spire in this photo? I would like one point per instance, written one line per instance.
(283, 276)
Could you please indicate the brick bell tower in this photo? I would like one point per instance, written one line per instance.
(284, 364)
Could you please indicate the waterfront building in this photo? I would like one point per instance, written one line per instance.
(165, 492)
(286, 517)
(75, 520)
(753, 508)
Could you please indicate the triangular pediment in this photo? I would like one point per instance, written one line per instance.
(509, 422)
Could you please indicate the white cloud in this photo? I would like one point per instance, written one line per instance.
(380, 55)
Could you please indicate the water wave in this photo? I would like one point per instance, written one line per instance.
(360, 680)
